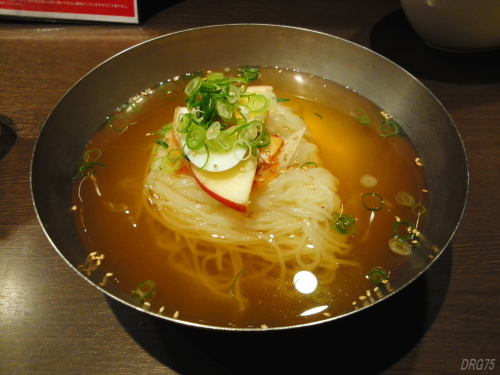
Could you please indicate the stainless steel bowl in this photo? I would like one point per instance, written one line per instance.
(61, 143)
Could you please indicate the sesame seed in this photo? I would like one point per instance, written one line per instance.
(171, 182)
(74, 208)
(376, 289)
(418, 162)
(295, 138)
(385, 281)
(261, 179)
(361, 298)
(215, 165)
(425, 190)
(311, 76)
(242, 169)
(147, 304)
(354, 303)
(263, 326)
(176, 314)
(368, 293)
(109, 274)
(161, 309)
(327, 314)
(279, 71)
(397, 218)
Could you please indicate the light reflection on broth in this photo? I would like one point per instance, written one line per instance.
(112, 219)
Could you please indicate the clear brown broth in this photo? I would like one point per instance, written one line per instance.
(348, 149)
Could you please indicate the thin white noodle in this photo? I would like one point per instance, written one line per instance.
(287, 228)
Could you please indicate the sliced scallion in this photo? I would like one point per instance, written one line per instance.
(145, 290)
(389, 128)
(119, 123)
(377, 274)
(397, 230)
(225, 110)
(344, 224)
(195, 138)
(309, 164)
(90, 158)
(193, 86)
(418, 209)
(399, 246)
(162, 143)
(167, 165)
(258, 103)
(405, 199)
(372, 201)
(249, 72)
(361, 116)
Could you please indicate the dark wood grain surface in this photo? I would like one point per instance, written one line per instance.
(52, 322)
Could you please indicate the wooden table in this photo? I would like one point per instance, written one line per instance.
(53, 322)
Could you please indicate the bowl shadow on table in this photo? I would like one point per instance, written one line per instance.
(394, 38)
(369, 341)
(7, 135)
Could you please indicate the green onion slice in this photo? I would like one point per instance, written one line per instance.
(282, 100)
(162, 143)
(233, 94)
(397, 230)
(250, 73)
(251, 133)
(195, 138)
(361, 116)
(231, 290)
(309, 164)
(372, 201)
(258, 103)
(145, 290)
(193, 86)
(166, 164)
(92, 155)
(185, 121)
(377, 274)
(175, 155)
(343, 224)
(119, 123)
(215, 76)
(388, 128)
(405, 199)
(418, 209)
(89, 169)
(264, 141)
(167, 86)
(399, 246)
(225, 110)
